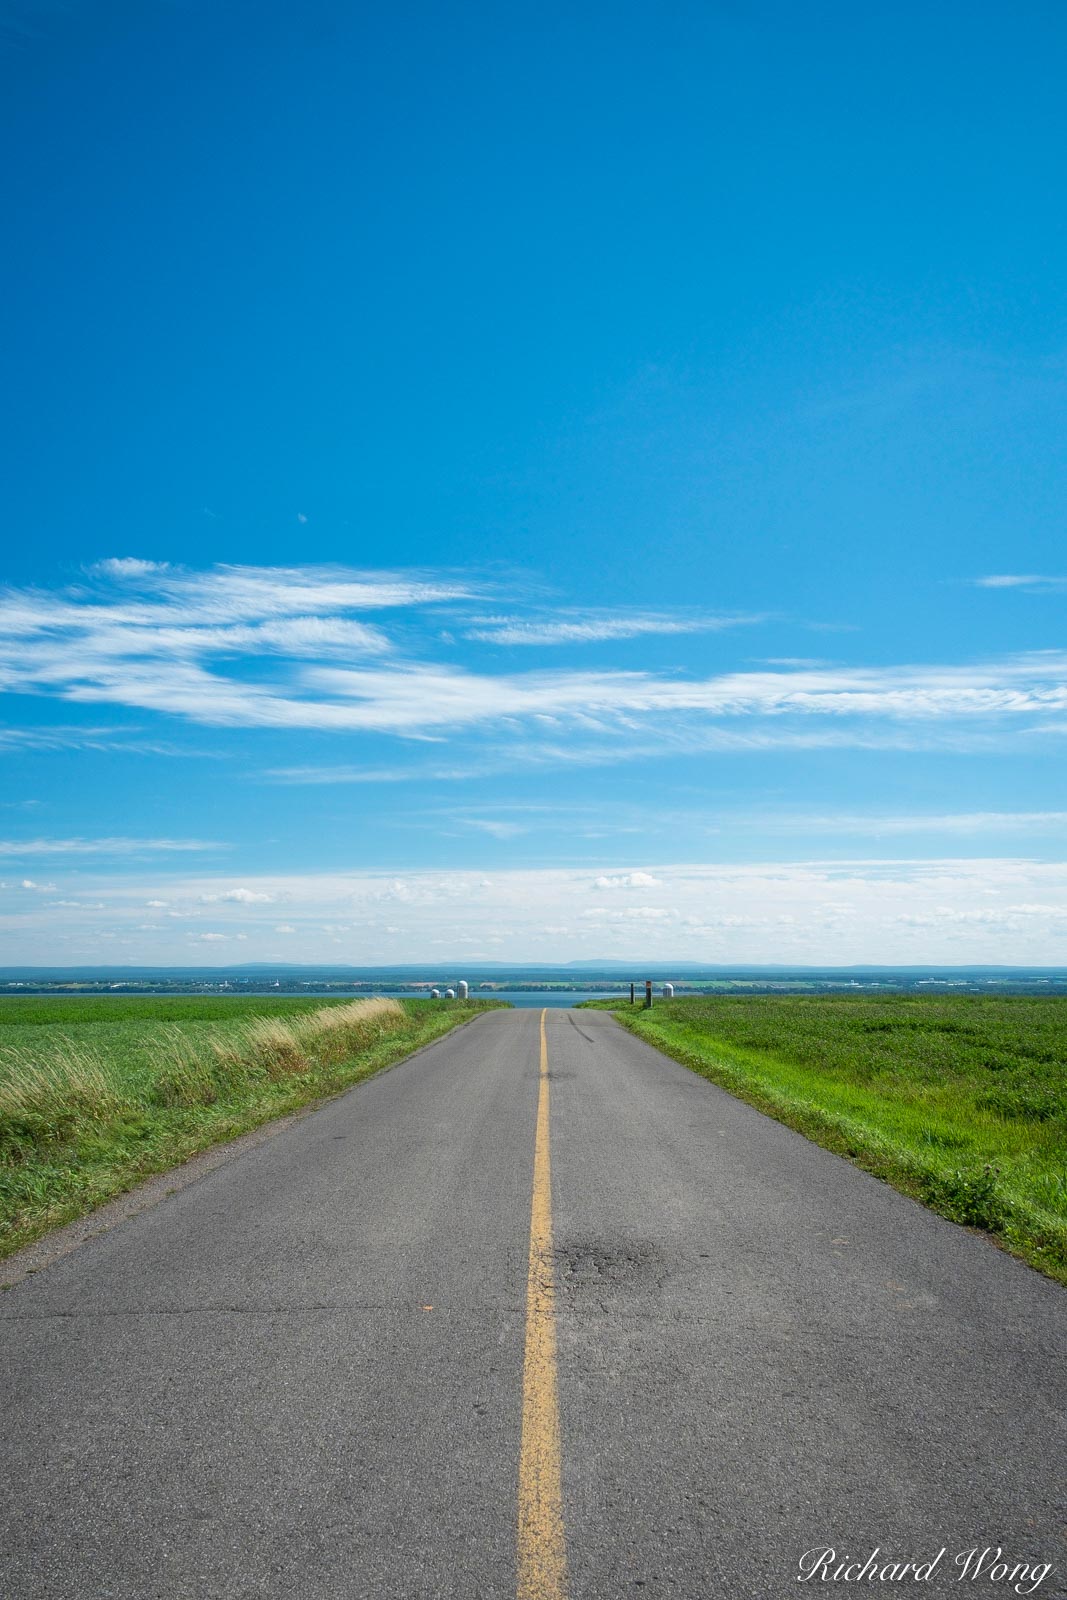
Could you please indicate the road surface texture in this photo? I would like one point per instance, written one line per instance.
(302, 1376)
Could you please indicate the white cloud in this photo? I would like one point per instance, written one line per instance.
(958, 822)
(284, 927)
(210, 938)
(289, 647)
(101, 847)
(628, 913)
(244, 897)
(794, 661)
(402, 700)
(141, 619)
(238, 593)
(40, 888)
(628, 880)
(496, 828)
(591, 629)
(937, 910)
(1010, 580)
(87, 738)
(354, 774)
(129, 567)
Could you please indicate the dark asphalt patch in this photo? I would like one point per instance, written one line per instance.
(602, 1265)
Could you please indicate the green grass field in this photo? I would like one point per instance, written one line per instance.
(958, 1101)
(96, 1094)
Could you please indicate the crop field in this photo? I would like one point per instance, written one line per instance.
(96, 1094)
(958, 1101)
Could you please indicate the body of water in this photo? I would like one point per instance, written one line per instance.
(521, 997)
(516, 997)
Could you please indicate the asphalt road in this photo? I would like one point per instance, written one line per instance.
(302, 1375)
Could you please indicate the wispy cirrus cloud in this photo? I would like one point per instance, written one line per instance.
(495, 827)
(957, 822)
(350, 774)
(236, 593)
(130, 567)
(102, 847)
(589, 628)
(134, 622)
(174, 616)
(132, 627)
(280, 648)
(239, 897)
(434, 696)
(1018, 580)
(419, 697)
(109, 739)
(594, 745)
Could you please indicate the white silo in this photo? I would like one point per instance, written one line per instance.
(435, 994)
(668, 991)
(464, 988)
(450, 994)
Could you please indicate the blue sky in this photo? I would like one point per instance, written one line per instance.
(522, 482)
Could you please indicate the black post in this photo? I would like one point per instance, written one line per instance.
(631, 994)
(648, 994)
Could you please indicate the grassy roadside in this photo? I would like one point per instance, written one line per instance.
(97, 1094)
(959, 1102)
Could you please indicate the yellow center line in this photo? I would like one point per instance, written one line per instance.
(542, 1555)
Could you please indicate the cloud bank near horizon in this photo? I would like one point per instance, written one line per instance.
(949, 911)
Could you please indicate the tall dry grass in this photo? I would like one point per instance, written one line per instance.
(45, 1098)
(49, 1095)
(279, 1046)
